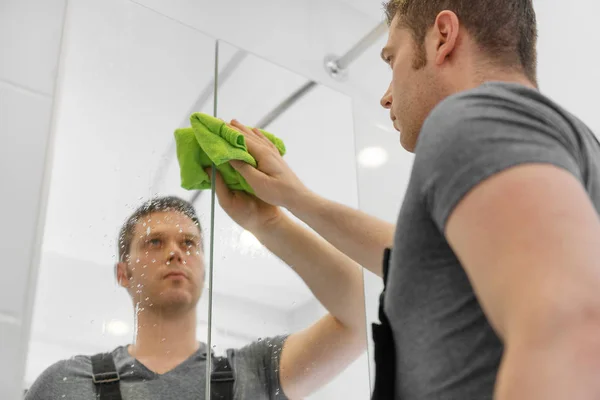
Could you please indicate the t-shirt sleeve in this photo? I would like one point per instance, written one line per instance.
(256, 368)
(53, 383)
(469, 138)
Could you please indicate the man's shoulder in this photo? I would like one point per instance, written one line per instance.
(503, 97)
(74, 368)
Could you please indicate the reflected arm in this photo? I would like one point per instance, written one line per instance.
(314, 356)
(362, 237)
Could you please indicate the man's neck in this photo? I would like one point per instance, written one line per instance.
(164, 339)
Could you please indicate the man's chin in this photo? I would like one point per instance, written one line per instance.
(176, 299)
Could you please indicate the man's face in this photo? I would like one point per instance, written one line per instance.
(415, 88)
(165, 267)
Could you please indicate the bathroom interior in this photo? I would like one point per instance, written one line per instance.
(90, 95)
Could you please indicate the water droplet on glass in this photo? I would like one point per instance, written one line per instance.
(148, 230)
(184, 262)
(260, 339)
(145, 266)
(187, 253)
(65, 378)
(137, 261)
(180, 230)
(153, 261)
(163, 340)
(147, 298)
(168, 262)
(143, 275)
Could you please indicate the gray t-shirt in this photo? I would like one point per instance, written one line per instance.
(445, 346)
(256, 369)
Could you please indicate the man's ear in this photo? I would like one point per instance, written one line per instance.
(123, 274)
(446, 31)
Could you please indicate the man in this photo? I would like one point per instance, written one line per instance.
(161, 266)
(493, 286)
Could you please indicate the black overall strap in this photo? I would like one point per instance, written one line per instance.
(106, 378)
(221, 379)
(385, 354)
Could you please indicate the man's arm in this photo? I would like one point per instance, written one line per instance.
(314, 356)
(529, 240)
(360, 236)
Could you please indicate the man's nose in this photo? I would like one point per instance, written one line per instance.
(175, 253)
(386, 100)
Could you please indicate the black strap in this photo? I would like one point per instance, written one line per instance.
(221, 379)
(385, 354)
(106, 378)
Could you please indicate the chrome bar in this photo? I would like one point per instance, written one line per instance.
(344, 61)
(285, 105)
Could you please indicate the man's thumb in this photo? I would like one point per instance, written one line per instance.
(252, 175)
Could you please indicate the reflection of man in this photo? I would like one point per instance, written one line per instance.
(494, 278)
(163, 270)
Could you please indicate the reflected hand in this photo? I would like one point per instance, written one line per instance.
(272, 180)
(246, 210)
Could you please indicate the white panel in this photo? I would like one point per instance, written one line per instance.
(30, 33)
(10, 338)
(24, 125)
(568, 57)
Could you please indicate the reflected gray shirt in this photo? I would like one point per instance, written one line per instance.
(445, 347)
(256, 369)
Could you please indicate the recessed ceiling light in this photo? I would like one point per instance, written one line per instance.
(372, 157)
(116, 328)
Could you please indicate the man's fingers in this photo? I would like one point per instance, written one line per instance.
(256, 146)
(253, 176)
(265, 140)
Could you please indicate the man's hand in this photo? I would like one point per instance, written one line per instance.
(246, 210)
(272, 181)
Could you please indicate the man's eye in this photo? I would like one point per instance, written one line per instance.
(154, 242)
(190, 243)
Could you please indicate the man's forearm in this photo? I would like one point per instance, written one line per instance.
(358, 235)
(334, 279)
(558, 366)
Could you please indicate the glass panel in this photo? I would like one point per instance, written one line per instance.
(129, 77)
(258, 300)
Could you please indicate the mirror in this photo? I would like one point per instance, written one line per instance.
(129, 77)
(258, 300)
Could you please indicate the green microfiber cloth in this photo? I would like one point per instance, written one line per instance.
(209, 141)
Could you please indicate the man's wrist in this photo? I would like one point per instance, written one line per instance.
(302, 203)
(273, 228)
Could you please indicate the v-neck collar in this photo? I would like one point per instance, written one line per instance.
(128, 359)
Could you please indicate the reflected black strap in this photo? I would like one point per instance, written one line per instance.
(106, 378)
(221, 379)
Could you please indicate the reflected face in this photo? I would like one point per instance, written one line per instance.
(165, 267)
(415, 88)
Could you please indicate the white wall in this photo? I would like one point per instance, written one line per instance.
(30, 34)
